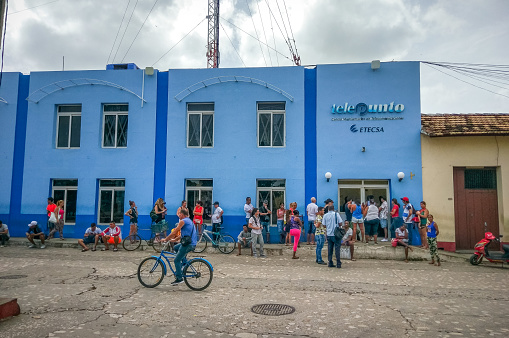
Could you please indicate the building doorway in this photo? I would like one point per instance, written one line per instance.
(475, 203)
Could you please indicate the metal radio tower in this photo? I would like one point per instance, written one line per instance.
(213, 35)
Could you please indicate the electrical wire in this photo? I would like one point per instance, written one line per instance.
(118, 31)
(274, 38)
(3, 40)
(254, 26)
(263, 27)
(435, 66)
(205, 18)
(232, 44)
(26, 9)
(231, 23)
(282, 20)
(125, 30)
(291, 30)
(277, 23)
(128, 49)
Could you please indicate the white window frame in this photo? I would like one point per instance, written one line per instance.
(364, 184)
(200, 189)
(201, 113)
(59, 114)
(270, 190)
(116, 123)
(112, 189)
(271, 112)
(66, 189)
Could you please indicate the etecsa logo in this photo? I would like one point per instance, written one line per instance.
(353, 128)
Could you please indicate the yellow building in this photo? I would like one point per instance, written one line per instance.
(465, 169)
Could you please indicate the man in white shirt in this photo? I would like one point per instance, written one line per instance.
(332, 220)
(311, 210)
(216, 219)
(91, 236)
(248, 208)
(347, 239)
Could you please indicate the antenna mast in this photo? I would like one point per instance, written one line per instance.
(213, 35)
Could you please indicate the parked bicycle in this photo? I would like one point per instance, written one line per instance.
(197, 272)
(225, 243)
(133, 242)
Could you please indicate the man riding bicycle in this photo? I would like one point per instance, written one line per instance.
(187, 242)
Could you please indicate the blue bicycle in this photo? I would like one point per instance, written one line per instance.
(197, 272)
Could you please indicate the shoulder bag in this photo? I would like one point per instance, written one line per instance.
(187, 240)
(339, 232)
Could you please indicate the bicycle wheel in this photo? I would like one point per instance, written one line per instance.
(131, 242)
(198, 274)
(201, 245)
(157, 245)
(226, 244)
(150, 272)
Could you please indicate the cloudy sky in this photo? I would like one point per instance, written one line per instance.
(89, 34)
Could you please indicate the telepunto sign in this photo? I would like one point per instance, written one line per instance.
(363, 112)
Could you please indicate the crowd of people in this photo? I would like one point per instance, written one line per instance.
(364, 221)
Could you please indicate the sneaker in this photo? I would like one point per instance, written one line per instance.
(177, 281)
(43, 246)
(31, 246)
(385, 240)
(2, 246)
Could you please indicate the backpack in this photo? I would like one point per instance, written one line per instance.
(153, 215)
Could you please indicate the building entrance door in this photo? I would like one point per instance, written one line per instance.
(360, 190)
(475, 202)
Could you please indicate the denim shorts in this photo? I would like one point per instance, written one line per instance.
(280, 225)
(265, 226)
(357, 220)
(383, 223)
(311, 225)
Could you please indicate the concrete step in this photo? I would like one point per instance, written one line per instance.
(9, 307)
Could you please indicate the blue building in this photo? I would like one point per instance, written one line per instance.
(97, 139)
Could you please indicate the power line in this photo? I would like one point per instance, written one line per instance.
(205, 18)
(26, 9)
(263, 27)
(274, 38)
(128, 49)
(254, 26)
(125, 30)
(231, 23)
(435, 66)
(290, 25)
(277, 23)
(118, 31)
(232, 44)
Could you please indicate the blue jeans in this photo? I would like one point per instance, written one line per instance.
(215, 228)
(331, 245)
(280, 225)
(180, 257)
(320, 241)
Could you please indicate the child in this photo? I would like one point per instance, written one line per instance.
(432, 240)
(320, 232)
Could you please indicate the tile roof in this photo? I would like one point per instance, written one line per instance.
(435, 125)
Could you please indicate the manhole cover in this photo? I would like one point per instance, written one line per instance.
(273, 309)
(13, 277)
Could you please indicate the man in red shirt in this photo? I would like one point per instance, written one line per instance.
(112, 231)
(50, 209)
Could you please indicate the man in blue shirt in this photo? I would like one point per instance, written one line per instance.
(34, 231)
(332, 220)
(187, 243)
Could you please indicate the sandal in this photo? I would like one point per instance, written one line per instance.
(93, 249)
(115, 250)
(104, 249)
(353, 259)
(83, 250)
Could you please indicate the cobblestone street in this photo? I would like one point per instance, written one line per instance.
(67, 293)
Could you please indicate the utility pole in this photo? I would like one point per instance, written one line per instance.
(213, 35)
(2, 17)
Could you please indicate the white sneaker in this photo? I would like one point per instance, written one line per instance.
(31, 246)
(43, 246)
(385, 240)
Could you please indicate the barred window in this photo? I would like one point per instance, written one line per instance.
(115, 124)
(481, 178)
(271, 124)
(200, 125)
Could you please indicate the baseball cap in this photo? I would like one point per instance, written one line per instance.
(328, 200)
(32, 224)
(216, 203)
(405, 199)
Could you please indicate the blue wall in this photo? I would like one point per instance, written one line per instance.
(90, 162)
(236, 162)
(157, 161)
(395, 149)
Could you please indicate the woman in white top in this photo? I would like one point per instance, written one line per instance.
(371, 222)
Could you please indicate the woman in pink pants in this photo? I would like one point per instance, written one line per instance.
(295, 226)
